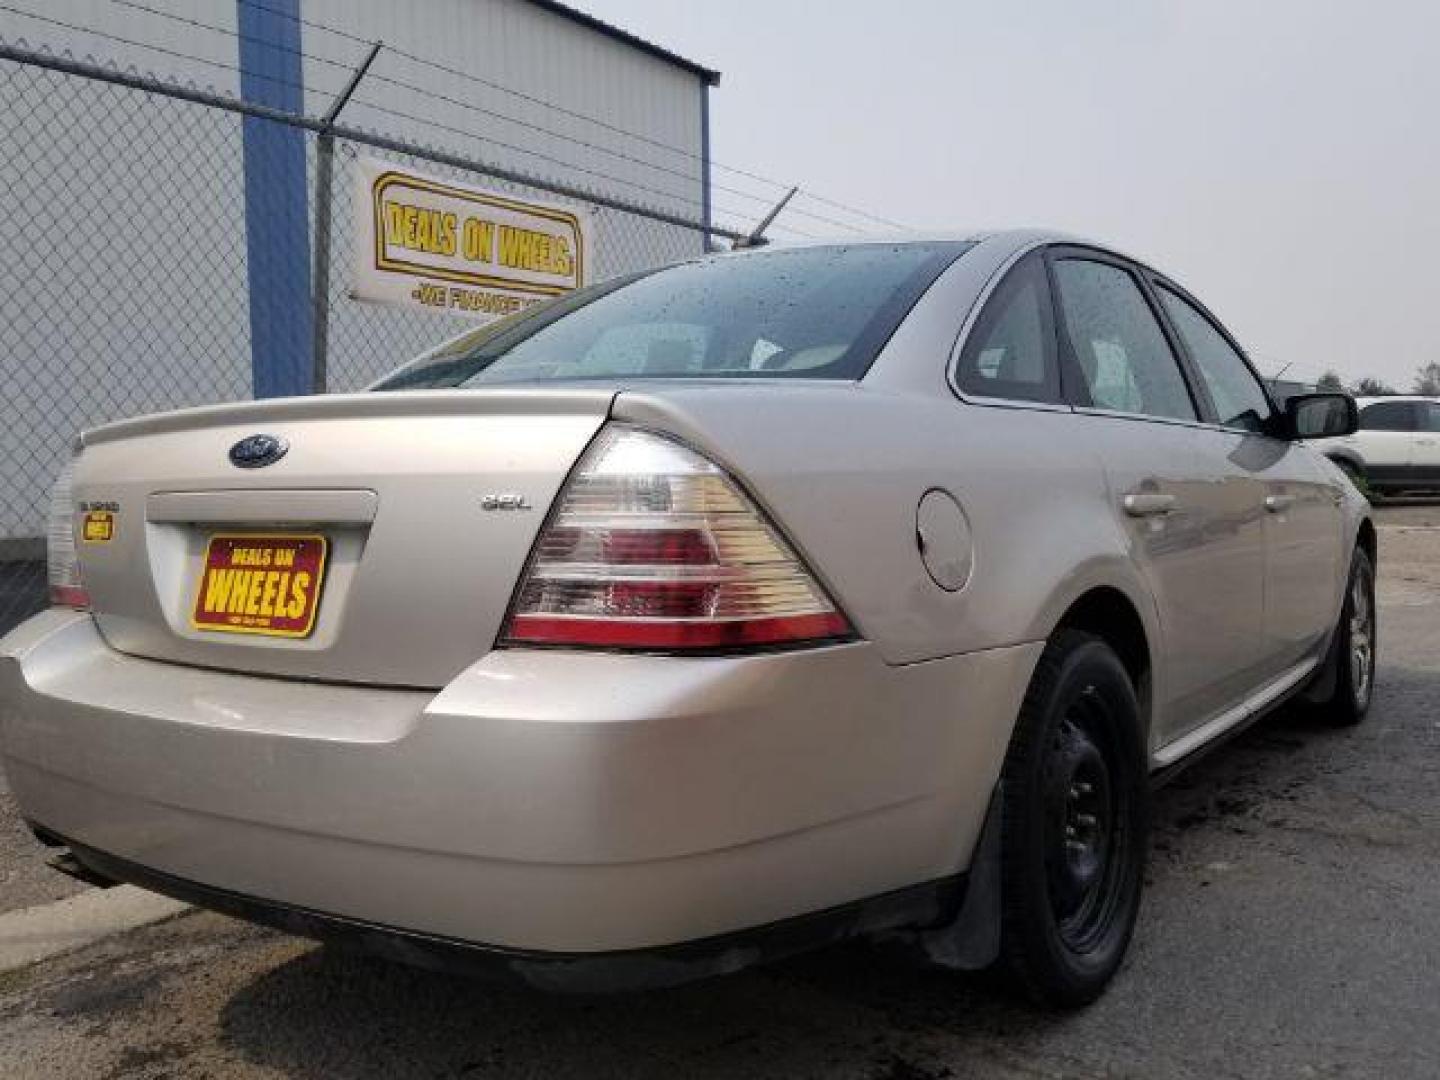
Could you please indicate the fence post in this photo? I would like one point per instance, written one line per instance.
(757, 234)
(320, 278)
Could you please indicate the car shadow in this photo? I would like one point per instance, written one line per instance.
(782, 1021)
(331, 1012)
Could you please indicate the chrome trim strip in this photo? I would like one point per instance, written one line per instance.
(1177, 421)
(239, 506)
(1186, 744)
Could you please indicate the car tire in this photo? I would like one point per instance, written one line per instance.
(1352, 648)
(1075, 820)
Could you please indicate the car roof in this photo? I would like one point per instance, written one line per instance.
(1019, 237)
(1011, 240)
(1395, 397)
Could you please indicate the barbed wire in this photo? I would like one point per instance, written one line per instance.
(243, 72)
(161, 49)
(780, 185)
(246, 73)
(399, 114)
(688, 200)
(527, 125)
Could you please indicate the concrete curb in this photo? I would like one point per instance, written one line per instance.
(38, 933)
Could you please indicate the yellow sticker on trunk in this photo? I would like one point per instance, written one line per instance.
(97, 527)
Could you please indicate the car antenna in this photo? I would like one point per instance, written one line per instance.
(757, 235)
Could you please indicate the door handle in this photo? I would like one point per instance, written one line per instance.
(1148, 503)
(1279, 503)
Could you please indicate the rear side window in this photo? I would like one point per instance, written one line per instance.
(1388, 416)
(1430, 416)
(1121, 352)
(804, 313)
(1239, 400)
(1011, 351)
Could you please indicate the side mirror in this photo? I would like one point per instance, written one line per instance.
(1321, 416)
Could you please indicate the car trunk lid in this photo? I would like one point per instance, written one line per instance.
(423, 507)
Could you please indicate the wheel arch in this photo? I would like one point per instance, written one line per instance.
(1111, 615)
(1346, 457)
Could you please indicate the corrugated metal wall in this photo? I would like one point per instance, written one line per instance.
(530, 51)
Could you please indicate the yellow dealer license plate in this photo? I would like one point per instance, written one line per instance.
(254, 584)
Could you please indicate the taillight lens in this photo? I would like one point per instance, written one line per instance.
(654, 547)
(66, 588)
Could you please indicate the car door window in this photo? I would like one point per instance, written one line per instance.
(1122, 355)
(1388, 416)
(1430, 416)
(1239, 400)
(1011, 351)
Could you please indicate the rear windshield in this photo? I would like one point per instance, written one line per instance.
(805, 313)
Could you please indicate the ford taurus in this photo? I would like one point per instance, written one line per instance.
(699, 617)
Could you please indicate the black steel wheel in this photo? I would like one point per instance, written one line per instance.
(1075, 824)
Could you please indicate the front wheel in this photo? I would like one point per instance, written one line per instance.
(1076, 814)
(1352, 651)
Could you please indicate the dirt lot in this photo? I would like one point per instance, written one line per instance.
(1289, 931)
(25, 880)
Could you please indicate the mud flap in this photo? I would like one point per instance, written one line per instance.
(972, 941)
(1322, 686)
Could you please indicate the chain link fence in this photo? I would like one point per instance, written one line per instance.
(124, 287)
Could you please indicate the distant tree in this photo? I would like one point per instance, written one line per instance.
(1427, 379)
(1330, 380)
(1370, 387)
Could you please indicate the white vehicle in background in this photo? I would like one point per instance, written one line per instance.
(1397, 447)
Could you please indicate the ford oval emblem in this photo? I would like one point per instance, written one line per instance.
(257, 451)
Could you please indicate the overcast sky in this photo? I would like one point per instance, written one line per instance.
(1280, 158)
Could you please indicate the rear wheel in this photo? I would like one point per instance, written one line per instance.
(1075, 824)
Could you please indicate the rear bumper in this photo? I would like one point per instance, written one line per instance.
(923, 905)
(543, 802)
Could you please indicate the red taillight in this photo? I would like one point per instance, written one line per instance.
(73, 596)
(619, 634)
(653, 547)
(63, 565)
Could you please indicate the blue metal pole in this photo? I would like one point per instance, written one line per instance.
(277, 225)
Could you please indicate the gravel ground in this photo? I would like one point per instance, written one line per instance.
(25, 880)
(1288, 931)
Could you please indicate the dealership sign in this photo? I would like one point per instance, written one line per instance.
(431, 243)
